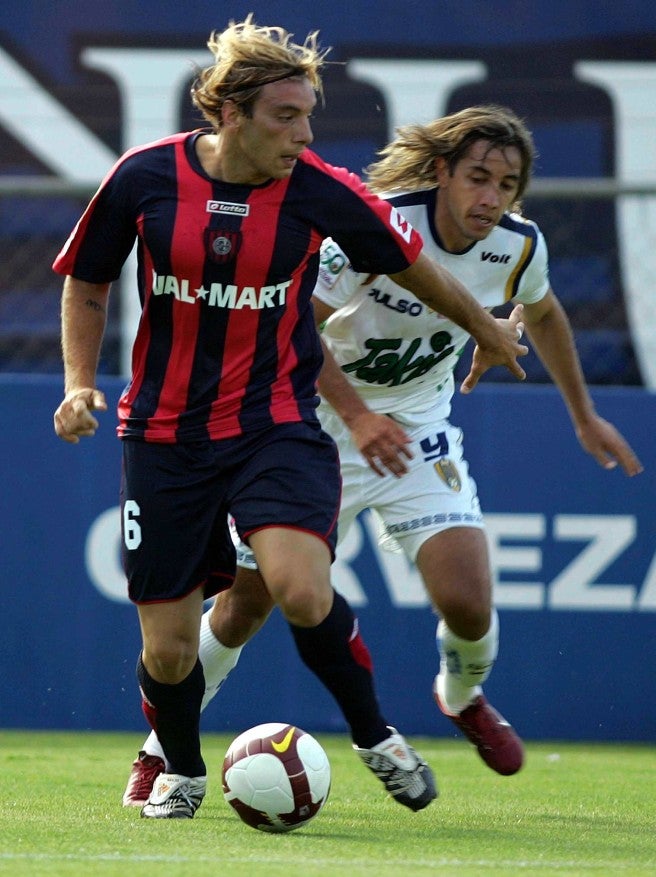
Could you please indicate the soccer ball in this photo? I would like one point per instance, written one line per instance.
(276, 776)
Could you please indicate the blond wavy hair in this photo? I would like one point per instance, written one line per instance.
(247, 57)
(408, 162)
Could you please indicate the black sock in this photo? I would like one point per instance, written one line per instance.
(337, 655)
(173, 712)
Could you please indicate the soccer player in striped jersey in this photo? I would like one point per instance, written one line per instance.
(459, 180)
(219, 415)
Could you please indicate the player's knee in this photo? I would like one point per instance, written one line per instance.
(304, 604)
(170, 660)
(469, 619)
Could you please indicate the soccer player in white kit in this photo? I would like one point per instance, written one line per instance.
(458, 181)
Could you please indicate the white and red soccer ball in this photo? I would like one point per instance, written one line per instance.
(276, 776)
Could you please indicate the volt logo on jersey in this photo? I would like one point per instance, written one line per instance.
(487, 256)
(283, 746)
(222, 245)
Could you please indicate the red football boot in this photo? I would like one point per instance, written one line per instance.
(496, 741)
(145, 770)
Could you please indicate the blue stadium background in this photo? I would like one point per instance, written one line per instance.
(577, 673)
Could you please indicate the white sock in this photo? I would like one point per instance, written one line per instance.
(217, 660)
(152, 747)
(464, 664)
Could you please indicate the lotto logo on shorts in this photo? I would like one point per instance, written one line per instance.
(449, 474)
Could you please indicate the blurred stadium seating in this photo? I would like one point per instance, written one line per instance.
(33, 229)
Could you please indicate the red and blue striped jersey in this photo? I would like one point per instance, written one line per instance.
(226, 342)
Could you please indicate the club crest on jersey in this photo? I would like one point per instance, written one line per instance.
(448, 472)
(222, 245)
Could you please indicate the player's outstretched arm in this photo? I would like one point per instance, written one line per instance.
(551, 335)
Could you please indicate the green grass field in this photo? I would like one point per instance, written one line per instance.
(573, 810)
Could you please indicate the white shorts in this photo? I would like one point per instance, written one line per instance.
(245, 556)
(437, 492)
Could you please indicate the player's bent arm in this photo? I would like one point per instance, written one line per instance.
(551, 334)
(553, 340)
(84, 316)
(381, 440)
(441, 291)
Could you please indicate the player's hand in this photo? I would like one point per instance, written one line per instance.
(73, 418)
(504, 352)
(382, 442)
(609, 448)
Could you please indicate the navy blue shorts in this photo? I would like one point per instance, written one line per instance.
(175, 500)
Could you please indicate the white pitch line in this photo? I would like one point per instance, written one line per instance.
(553, 865)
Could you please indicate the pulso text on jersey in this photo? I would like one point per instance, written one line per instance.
(394, 361)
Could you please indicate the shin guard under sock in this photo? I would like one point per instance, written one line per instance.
(464, 664)
(173, 712)
(217, 660)
(335, 652)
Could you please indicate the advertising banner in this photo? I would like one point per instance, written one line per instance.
(573, 549)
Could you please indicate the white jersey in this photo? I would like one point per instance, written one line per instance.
(400, 355)
(395, 350)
